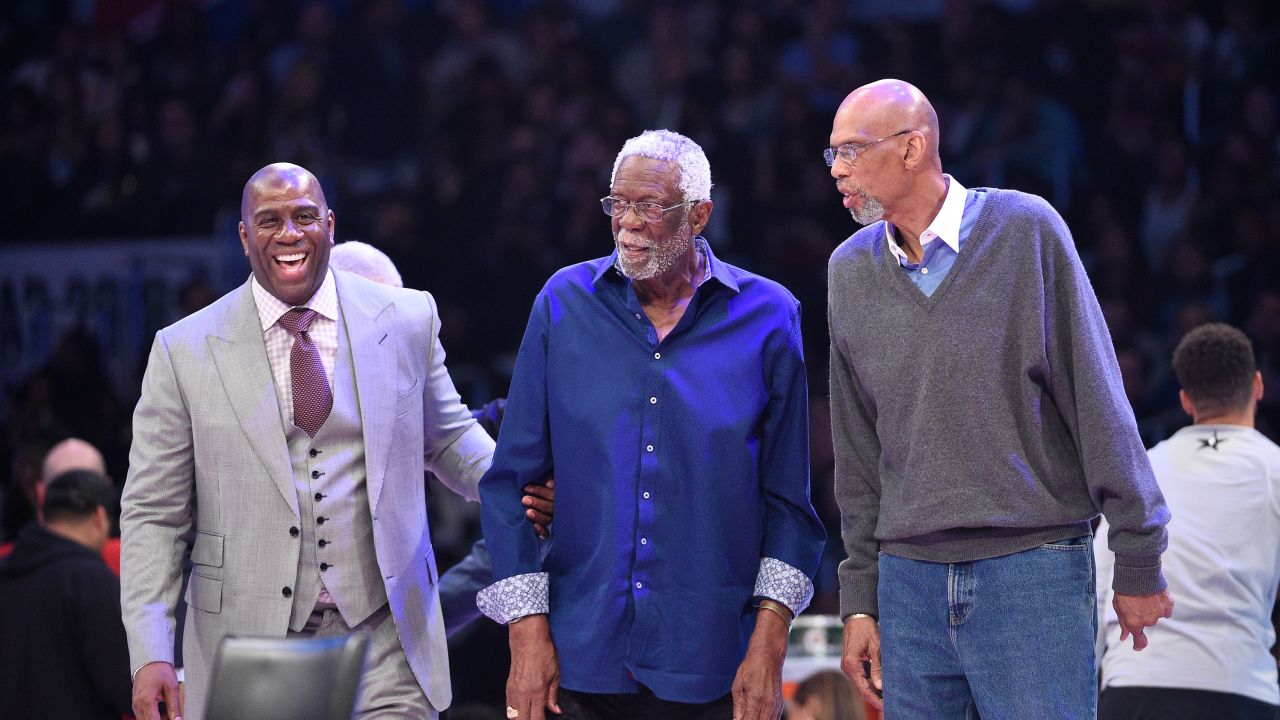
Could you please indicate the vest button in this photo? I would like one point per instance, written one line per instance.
(320, 520)
(313, 452)
(319, 496)
(286, 591)
(324, 566)
(322, 543)
(293, 531)
(315, 474)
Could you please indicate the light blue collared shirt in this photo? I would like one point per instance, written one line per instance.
(951, 225)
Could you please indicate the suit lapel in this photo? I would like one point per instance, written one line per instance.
(369, 328)
(240, 356)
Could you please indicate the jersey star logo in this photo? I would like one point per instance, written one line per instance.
(1211, 443)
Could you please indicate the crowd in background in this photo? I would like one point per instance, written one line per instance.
(472, 139)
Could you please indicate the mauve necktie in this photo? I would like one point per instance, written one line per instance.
(312, 398)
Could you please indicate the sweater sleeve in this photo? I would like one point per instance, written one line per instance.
(857, 478)
(1087, 388)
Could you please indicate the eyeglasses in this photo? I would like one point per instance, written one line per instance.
(647, 211)
(849, 151)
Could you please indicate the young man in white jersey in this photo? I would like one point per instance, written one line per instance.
(1221, 480)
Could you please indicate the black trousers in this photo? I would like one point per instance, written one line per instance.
(1153, 703)
(643, 705)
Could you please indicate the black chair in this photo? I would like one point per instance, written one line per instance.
(287, 679)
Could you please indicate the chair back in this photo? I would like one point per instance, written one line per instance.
(314, 678)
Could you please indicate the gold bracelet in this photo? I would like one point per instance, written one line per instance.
(859, 615)
(783, 611)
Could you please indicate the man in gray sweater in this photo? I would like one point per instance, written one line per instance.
(979, 426)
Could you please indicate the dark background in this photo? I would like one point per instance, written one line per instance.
(471, 140)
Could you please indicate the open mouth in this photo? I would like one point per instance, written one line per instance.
(291, 262)
(847, 201)
(632, 251)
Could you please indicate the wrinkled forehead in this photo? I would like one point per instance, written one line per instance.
(857, 122)
(282, 190)
(647, 176)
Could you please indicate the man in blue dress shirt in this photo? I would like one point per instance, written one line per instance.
(667, 389)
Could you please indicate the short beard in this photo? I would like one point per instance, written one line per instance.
(666, 254)
(872, 210)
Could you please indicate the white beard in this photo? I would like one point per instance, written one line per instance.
(872, 210)
(665, 254)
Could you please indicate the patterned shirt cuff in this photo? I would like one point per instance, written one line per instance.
(515, 597)
(789, 586)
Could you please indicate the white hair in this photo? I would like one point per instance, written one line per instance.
(366, 261)
(691, 163)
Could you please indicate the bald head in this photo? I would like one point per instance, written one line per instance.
(286, 229)
(277, 177)
(71, 454)
(888, 106)
(366, 261)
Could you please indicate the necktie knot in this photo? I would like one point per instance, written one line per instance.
(297, 320)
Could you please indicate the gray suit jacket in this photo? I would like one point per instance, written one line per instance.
(209, 449)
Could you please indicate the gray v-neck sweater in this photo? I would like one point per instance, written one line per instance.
(988, 418)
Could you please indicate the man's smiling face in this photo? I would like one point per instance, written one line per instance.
(286, 229)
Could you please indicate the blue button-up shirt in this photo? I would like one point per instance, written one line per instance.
(942, 239)
(682, 479)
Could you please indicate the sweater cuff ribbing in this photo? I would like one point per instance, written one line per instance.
(1137, 575)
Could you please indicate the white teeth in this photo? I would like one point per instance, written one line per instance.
(291, 258)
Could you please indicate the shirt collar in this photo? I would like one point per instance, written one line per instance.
(945, 225)
(715, 269)
(270, 307)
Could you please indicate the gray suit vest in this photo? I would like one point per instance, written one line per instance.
(336, 529)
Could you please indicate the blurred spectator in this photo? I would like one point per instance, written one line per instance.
(1221, 480)
(64, 653)
(75, 454)
(365, 260)
(826, 695)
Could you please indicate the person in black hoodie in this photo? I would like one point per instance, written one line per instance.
(63, 653)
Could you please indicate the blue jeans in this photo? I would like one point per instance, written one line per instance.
(1006, 637)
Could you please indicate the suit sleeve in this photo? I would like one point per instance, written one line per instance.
(156, 511)
(523, 456)
(457, 450)
(794, 536)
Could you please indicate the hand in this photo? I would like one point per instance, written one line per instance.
(862, 644)
(757, 688)
(540, 501)
(155, 683)
(534, 680)
(1141, 611)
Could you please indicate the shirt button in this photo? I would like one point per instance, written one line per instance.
(637, 316)
(657, 356)
(648, 448)
(313, 452)
(646, 494)
(319, 497)
(653, 401)
(644, 541)
(924, 271)
(315, 474)
(639, 585)
(322, 543)
(324, 566)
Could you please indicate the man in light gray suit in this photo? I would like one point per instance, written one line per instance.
(291, 422)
